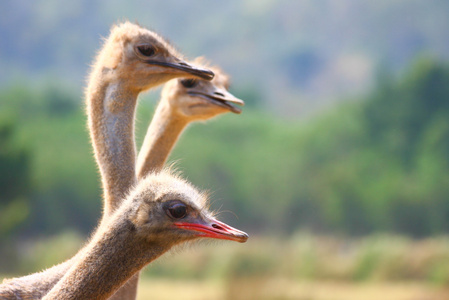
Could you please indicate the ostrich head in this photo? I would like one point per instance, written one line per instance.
(167, 210)
(141, 59)
(198, 99)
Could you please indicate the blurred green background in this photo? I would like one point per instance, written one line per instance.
(340, 158)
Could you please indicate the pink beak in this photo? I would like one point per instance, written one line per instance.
(216, 230)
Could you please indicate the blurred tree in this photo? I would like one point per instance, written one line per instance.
(398, 113)
(14, 179)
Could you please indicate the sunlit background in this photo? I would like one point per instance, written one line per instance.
(338, 167)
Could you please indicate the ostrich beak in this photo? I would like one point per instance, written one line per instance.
(221, 97)
(185, 67)
(214, 229)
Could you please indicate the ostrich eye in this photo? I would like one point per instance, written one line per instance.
(189, 83)
(146, 50)
(177, 211)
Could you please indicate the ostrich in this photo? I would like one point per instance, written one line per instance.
(133, 59)
(183, 101)
(161, 212)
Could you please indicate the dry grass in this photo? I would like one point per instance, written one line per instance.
(283, 289)
(167, 289)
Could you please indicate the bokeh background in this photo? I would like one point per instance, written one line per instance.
(338, 167)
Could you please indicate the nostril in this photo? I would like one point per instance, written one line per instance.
(217, 227)
(219, 94)
(184, 64)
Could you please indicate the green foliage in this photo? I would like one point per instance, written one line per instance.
(14, 178)
(12, 215)
(367, 166)
(375, 165)
(42, 253)
(64, 186)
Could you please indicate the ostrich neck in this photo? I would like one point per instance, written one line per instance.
(110, 259)
(161, 136)
(111, 112)
(111, 109)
